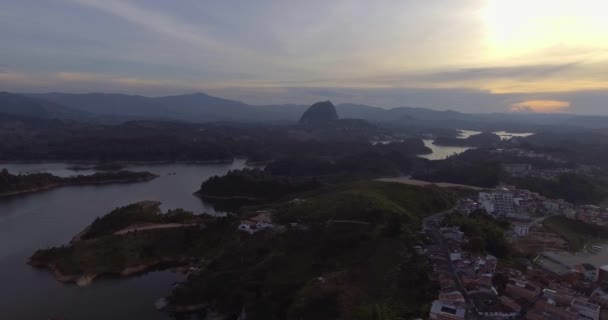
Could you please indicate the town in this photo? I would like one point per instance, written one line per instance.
(559, 279)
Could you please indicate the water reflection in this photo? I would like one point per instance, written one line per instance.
(51, 218)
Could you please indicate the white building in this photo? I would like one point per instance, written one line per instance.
(487, 202)
(521, 229)
(446, 310)
(248, 226)
(498, 204)
(257, 223)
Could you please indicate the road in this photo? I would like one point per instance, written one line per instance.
(430, 225)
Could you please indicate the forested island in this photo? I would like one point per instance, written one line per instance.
(12, 184)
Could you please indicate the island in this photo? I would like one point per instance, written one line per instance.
(14, 184)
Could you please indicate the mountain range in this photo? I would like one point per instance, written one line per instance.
(201, 108)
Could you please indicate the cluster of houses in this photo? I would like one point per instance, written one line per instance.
(523, 153)
(473, 286)
(522, 206)
(464, 276)
(261, 221)
(527, 170)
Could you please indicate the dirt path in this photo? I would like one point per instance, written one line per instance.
(413, 182)
(154, 226)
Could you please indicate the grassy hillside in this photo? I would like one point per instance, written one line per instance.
(576, 232)
(360, 269)
(350, 256)
(145, 212)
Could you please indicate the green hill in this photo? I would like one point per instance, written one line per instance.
(343, 252)
(349, 257)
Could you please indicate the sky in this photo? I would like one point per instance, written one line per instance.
(464, 55)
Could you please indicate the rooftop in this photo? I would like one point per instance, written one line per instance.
(451, 309)
(589, 267)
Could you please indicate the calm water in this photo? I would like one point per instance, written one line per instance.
(51, 218)
(504, 135)
(441, 152)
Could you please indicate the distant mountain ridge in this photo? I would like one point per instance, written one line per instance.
(195, 107)
(19, 105)
(201, 108)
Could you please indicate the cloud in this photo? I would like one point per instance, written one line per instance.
(173, 28)
(508, 72)
(541, 106)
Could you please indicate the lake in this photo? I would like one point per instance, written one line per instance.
(51, 218)
(504, 135)
(442, 152)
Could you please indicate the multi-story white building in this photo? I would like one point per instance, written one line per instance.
(521, 229)
(498, 204)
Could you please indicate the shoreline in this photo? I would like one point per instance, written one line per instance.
(125, 162)
(67, 184)
(86, 279)
(206, 196)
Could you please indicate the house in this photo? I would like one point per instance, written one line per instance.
(489, 306)
(520, 289)
(453, 297)
(453, 233)
(262, 220)
(600, 297)
(521, 229)
(602, 274)
(446, 311)
(545, 309)
(248, 226)
(586, 309)
(257, 223)
(589, 271)
(455, 256)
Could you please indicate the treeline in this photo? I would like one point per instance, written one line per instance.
(24, 138)
(395, 158)
(473, 167)
(302, 173)
(11, 183)
(486, 235)
(579, 146)
(568, 186)
(486, 139)
(254, 184)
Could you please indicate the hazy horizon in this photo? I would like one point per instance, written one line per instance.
(472, 56)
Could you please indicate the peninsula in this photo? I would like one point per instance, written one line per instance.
(12, 184)
(129, 240)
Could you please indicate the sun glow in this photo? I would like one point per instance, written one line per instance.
(541, 106)
(520, 27)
